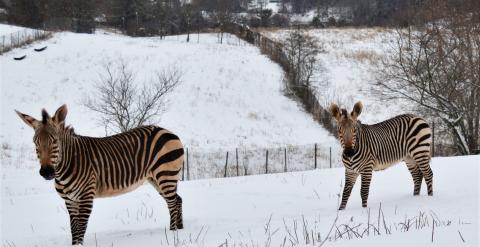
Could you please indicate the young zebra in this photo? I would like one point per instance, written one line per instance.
(368, 148)
(85, 168)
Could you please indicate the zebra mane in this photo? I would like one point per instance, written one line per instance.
(68, 130)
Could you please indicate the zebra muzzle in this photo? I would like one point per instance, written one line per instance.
(348, 152)
(47, 172)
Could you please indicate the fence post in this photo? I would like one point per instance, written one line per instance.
(226, 165)
(330, 157)
(183, 170)
(188, 168)
(315, 156)
(285, 152)
(266, 162)
(433, 139)
(236, 158)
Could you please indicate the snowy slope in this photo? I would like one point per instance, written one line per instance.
(8, 29)
(253, 210)
(351, 59)
(230, 95)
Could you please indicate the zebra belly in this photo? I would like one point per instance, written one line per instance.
(384, 165)
(109, 192)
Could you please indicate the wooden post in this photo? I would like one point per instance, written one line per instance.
(315, 156)
(236, 157)
(266, 162)
(226, 165)
(330, 157)
(188, 168)
(285, 153)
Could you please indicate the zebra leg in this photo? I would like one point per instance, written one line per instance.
(416, 175)
(168, 190)
(366, 179)
(423, 162)
(80, 220)
(180, 214)
(72, 209)
(172, 208)
(350, 179)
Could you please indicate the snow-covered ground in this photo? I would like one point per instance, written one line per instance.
(6, 29)
(262, 210)
(351, 59)
(230, 94)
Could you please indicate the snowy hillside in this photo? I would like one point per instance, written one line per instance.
(230, 95)
(351, 58)
(264, 210)
(8, 29)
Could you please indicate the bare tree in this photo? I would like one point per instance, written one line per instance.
(302, 50)
(122, 105)
(437, 67)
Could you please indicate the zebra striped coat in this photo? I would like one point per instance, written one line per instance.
(85, 168)
(368, 148)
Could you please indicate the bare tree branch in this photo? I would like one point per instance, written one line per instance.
(121, 105)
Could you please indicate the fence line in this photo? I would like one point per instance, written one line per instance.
(20, 38)
(276, 52)
(199, 164)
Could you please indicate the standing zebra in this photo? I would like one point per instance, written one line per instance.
(368, 148)
(85, 168)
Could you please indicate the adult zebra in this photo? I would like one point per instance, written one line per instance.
(368, 148)
(85, 168)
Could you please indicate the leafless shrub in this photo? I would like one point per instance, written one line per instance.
(122, 105)
(302, 50)
(437, 68)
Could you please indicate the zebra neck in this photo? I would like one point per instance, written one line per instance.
(71, 148)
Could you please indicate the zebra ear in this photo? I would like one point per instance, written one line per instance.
(60, 114)
(357, 109)
(335, 111)
(30, 121)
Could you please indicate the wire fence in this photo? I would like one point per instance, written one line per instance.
(304, 92)
(243, 162)
(20, 38)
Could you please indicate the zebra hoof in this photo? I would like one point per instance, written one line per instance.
(364, 205)
(341, 208)
(430, 194)
(180, 226)
(416, 193)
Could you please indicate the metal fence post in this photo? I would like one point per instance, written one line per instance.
(285, 153)
(183, 170)
(315, 157)
(330, 157)
(226, 165)
(266, 162)
(433, 139)
(236, 158)
(188, 168)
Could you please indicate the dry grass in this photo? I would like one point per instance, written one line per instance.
(361, 56)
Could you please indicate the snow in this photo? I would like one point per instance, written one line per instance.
(8, 29)
(230, 95)
(350, 64)
(250, 210)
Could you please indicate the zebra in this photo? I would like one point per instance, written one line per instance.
(368, 148)
(85, 168)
